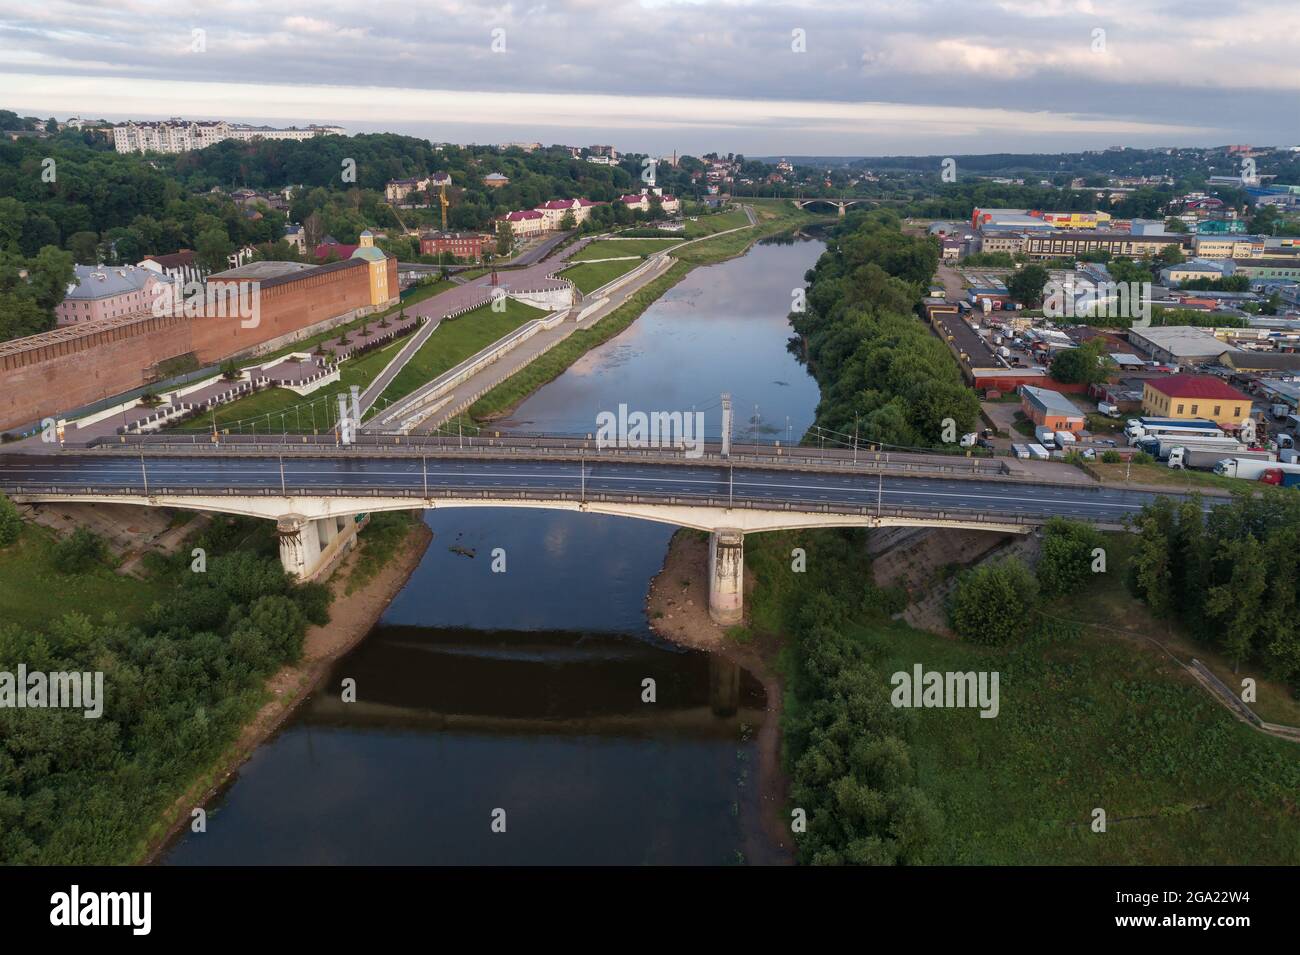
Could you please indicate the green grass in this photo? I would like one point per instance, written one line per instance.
(593, 275)
(1088, 718)
(718, 222)
(32, 591)
(456, 340)
(550, 365)
(611, 249)
(274, 408)
(1161, 474)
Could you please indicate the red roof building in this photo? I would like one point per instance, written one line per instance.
(1196, 396)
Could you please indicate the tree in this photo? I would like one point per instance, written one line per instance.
(1026, 285)
(79, 551)
(1087, 364)
(213, 250)
(991, 603)
(1067, 558)
(11, 524)
(84, 247)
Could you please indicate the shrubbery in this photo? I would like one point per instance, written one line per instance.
(992, 601)
(177, 689)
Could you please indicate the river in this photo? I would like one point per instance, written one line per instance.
(518, 696)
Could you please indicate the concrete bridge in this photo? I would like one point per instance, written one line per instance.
(838, 204)
(315, 494)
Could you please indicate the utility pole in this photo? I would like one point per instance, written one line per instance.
(726, 424)
(582, 476)
(855, 440)
(731, 484)
(283, 490)
(424, 468)
(144, 474)
(880, 493)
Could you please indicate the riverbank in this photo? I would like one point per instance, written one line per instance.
(677, 607)
(352, 616)
(502, 401)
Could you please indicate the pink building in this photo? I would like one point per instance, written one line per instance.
(104, 291)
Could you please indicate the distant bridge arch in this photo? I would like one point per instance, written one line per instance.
(838, 204)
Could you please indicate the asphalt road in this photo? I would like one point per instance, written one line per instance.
(75, 473)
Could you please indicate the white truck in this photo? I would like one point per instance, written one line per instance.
(1193, 457)
(1249, 469)
(1065, 440)
(1160, 447)
(1045, 435)
(1108, 409)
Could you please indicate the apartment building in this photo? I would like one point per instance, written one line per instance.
(178, 135)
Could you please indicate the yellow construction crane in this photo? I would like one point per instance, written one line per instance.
(442, 201)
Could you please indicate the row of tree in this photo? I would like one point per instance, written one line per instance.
(882, 373)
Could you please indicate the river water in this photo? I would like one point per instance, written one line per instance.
(517, 697)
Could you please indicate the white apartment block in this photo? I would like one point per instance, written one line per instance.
(179, 135)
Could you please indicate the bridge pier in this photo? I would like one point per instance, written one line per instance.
(841, 212)
(727, 576)
(310, 546)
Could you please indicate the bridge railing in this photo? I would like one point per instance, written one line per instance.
(417, 495)
(561, 447)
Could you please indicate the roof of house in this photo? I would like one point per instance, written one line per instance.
(495, 177)
(338, 248)
(1262, 360)
(521, 215)
(104, 281)
(1052, 402)
(1196, 386)
(369, 253)
(173, 260)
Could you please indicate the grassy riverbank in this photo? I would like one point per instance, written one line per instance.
(771, 220)
(1090, 717)
(552, 364)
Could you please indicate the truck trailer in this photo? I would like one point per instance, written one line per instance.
(1160, 447)
(1184, 456)
(1250, 470)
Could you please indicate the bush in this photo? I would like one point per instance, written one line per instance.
(11, 524)
(79, 551)
(1111, 457)
(991, 602)
(1142, 458)
(1067, 558)
(282, 623)
(245, 577)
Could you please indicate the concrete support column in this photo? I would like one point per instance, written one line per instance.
(727, 576)
(299, 545)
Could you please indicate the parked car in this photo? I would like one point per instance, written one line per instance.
(985, 443)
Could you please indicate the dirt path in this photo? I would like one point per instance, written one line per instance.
(352, 616)
(678, 610)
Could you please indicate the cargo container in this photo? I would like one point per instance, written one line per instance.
(1020, 450)
(1038, 452)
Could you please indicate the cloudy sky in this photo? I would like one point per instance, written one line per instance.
(830, 77)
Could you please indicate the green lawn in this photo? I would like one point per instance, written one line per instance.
(279, 409)
(609, 249)
(33, 592)
(1089, 717)
(718, 222)
(456, 340)
(593, 275)
(1159, 473)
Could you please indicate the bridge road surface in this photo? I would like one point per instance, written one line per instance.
(87, 473)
